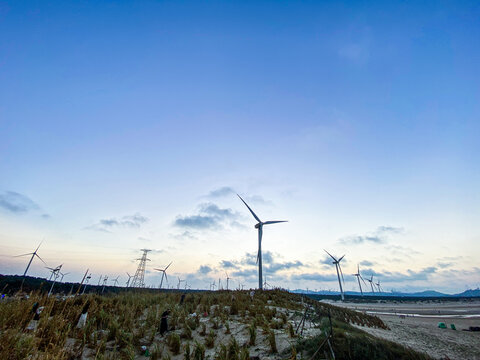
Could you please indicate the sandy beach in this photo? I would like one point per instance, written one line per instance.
(416, 325)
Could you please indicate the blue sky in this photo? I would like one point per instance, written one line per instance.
(126, 125)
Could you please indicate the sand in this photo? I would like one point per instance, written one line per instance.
(418, 327)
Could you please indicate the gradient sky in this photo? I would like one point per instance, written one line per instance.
(126, 125)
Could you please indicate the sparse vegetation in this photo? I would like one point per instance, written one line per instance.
(118, 325)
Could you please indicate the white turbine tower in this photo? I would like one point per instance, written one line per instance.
(164, 274)
(339, 271)
(227, 279)
(371, 284)
(359, 276)
(129, 277)
(259, 226)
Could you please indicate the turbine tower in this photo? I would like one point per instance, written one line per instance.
(227, 279)
(337, 266)
(138, 278)
(164, 273)
(371, 284)
(358, 279)
(259, 226)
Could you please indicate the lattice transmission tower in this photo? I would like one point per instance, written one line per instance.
(140, 273)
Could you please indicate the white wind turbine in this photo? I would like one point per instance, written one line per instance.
(339, 271)
(31, 259)
(129, 277)
(164, 274)
(371, 284)
(227, 279)
(378, 286)
(115, 281)
(259, 226)
(359, 276)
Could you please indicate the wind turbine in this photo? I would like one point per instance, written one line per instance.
(358, 278)
(129, 277)
(104, 283)
(371, 284)
(30, 262)
(179, 282)
(87, 279)
(164, 274)
(378, 286)
(213, 285)
(259, 226)
(115, 281)
(337, 266)
(227, 279)
(55, 272)
(63, 274)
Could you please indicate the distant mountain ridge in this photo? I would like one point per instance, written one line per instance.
(426, 293)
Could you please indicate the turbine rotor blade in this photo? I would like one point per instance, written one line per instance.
(330, 255)
(168, 265)
(38, 246)
(254, 215)
(40, 258)
(341, 258)
(274, 222)
(23, 255)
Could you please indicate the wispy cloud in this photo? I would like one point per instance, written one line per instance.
(313, 277)
(379, 236)
(221, 192)
(209, 216)
(17, 203)
(129, 221)
(247, 265)
(204, 269)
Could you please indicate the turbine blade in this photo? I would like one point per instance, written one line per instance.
(168, 265)
(40, 258)
(341, 258)
(330, 255)
(274, 222)
(23, 255)
(254, 215)
(38, 246)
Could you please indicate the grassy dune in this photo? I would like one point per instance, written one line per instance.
(216, 325)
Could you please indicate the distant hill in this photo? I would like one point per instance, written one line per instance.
(420, 294)
(470, 293)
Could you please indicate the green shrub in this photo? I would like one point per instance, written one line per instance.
(210, 339)
(173, 342)
(272, 342)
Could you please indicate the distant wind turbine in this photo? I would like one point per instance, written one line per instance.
(259, 226)
(164, 274)
(378, 286)
(359, 276)
(30, 262)
(63, 274)
(339, 271)
(371, 284)
(115, 281)
(129, 277)
(227, 279)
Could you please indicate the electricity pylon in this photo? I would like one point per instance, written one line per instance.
(138, 278)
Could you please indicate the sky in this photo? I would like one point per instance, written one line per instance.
(127, 125)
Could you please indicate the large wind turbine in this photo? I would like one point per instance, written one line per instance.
(359, 276)
(337, 266)
(164, 273)
(259, 226)
(371, 284)
(31, 259)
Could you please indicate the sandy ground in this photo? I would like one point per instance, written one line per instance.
(418, 327)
